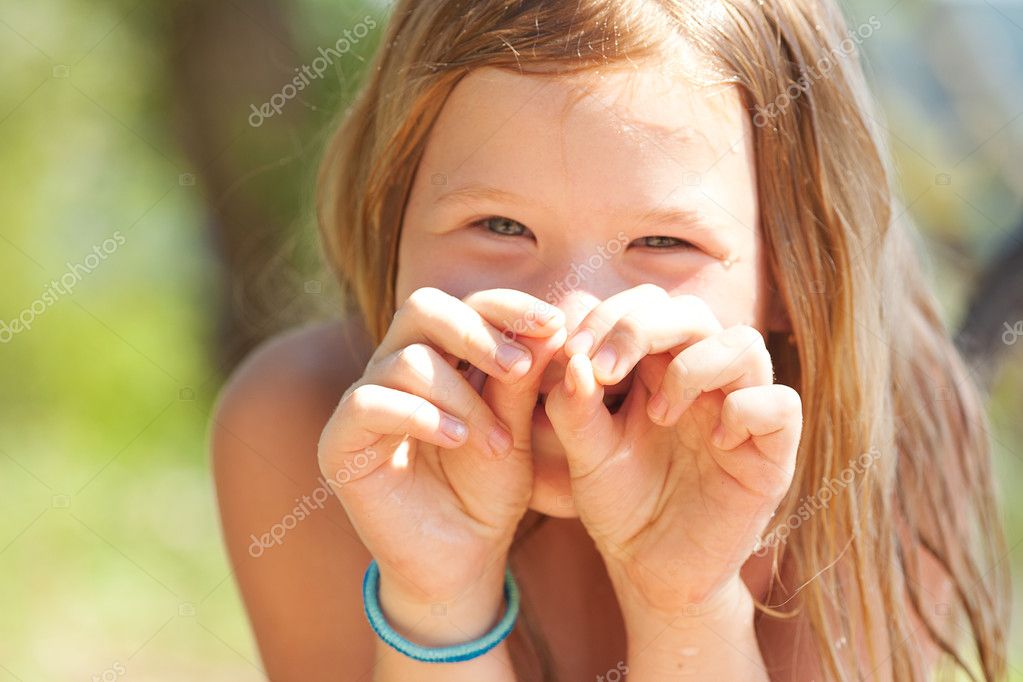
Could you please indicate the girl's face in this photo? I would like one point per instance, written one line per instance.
(575, 188)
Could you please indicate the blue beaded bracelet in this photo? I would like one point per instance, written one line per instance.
(443, 654)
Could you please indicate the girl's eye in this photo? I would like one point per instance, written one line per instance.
(662, 242)
(502, 226)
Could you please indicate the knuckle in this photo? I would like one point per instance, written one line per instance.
(744, 337)
(351, 389)
(470, 343)
(653, 290)
(788, 400)
(628, 324)
(476, 296)
(443, 391)
(421, 405)
(695, 304)
(485, 296)
(360, 400)
(476, 410)
(414, 356)
(678, 372)
(627, 332)
(423, 299)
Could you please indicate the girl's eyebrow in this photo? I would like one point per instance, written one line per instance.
(480, 191)
(667, 216)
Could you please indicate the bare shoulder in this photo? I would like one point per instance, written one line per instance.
(297, 561)
(317, 359)
(270, 412)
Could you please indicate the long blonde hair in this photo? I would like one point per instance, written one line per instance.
(873, 362)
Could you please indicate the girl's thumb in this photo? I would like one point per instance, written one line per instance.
(580, 420)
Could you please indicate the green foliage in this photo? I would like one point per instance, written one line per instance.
(109, 544)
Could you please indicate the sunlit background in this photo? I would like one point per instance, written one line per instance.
(151, 233)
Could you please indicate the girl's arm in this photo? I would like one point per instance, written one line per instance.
(294, 555)
(430, 469)
(721, 643)
(676, 486)
(472, 615)
(714, 642)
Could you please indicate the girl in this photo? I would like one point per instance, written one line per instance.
(642, 366)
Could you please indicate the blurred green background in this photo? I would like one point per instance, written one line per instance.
(180, 235)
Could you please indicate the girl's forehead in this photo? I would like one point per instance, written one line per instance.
(604, 138)
(646, 100)
(644, 111)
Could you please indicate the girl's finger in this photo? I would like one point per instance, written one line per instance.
(599, 321)
(732, 359)
(439, 319)
(371, 412)
(650, 327)
(516, 313)
(513, 403)
(581, 421)
(760, 426)
(421, 371)
(541, 328)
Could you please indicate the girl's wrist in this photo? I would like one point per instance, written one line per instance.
(730, 607)
(467, 615)
(715, 639)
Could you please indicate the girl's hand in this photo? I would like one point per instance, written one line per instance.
(674, 491)
(433, 475)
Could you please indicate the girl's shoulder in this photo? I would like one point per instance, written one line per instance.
(323, 353)
(298, 370)
(296, 558)
(289, 385)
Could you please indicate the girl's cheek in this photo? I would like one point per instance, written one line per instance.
(732, 290)
(454, 280)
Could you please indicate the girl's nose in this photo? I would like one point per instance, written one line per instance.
(576, 305)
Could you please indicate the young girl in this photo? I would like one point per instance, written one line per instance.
(642, 369)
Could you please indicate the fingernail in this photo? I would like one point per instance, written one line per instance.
(658, 407)
(580, 343)
(509, 356)
(453, 428)
(605, 359)
(500, 441)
